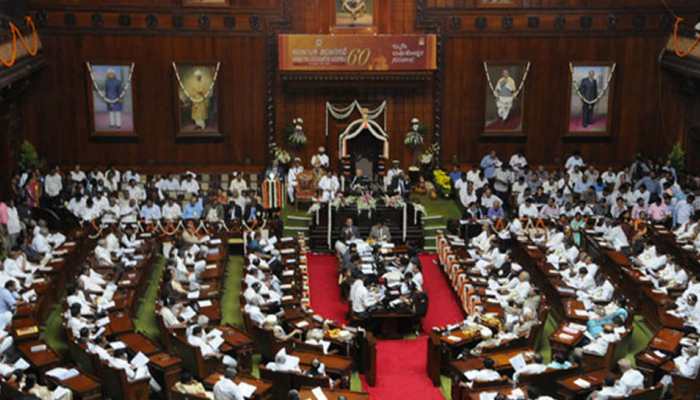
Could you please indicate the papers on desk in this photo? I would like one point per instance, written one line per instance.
(581, 313)
(204, 303)
(62, 373)
(578, 327)
(247, 390)
(21, 364)
(215, 242)
(288, 272)
(211, 266)
(117, 345)
(454, 339)
(620, 330)
(193, 295)
(188, 313)
(582, 383)
(318, 394)
(565, 336)
(659, 354)
(216, 342)
(139, 360)
(28, 296)
(287, 298)
(518, 362)
(302, 324)
(37, 348)
(286, 286)
(570, 331)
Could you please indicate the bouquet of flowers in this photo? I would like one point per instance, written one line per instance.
(281, 155)
(366, 202)
(443, 182)
(342, 201)
(394, 201)
(429, 154)
(295, 133)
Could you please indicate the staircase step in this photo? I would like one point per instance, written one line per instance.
(297, 228)
(431, 238)
(298, 218)
(429, 248)
(432, 217)
(434, 227)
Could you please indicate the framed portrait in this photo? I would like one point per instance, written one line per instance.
(111, 99)
(505, 97)
(205, 3)
(591, 91)
(498, 3)
(197, 103)
(358, 16)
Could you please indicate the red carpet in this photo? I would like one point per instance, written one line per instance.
(443, 306)
(323, 284)
(401, 364)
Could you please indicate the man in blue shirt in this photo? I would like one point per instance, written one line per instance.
(488, 164)
(455, 174)
(150, 211)
(650, 182)
(193, 209)
(8, 299)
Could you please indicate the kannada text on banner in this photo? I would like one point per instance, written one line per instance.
(357, 52)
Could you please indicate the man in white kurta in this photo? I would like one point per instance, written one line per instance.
(329, 186)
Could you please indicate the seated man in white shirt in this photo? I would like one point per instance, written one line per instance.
(608, 391)
(133, 373)
(535, 367)
(486, 374)
(688, 363)
(284, 363)
(226, 388)
(630, 380)
(528, 209)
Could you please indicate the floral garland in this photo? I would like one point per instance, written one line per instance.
(520, 88)
(17, 34)
(429, 154)
(676, 49)
(281, 155)
(210, 91)
(601, 94)
(102, 94)
(366, 203)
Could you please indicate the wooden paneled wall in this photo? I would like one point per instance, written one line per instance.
(255, 97)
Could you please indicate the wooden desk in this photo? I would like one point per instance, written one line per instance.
(667, 340)
(41, 360)
(166, 370)
(335, 394)
(574, 311)
(501, 360)
(504, 390)
(25, 329)
(84, 387)
(136, 342)
(335, 365)
(569, 390)
(119, 322)
(263, 391)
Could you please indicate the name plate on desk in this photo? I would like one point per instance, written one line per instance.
(30, 330)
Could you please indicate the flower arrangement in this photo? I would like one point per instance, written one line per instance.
(281, 155)
(394, 201)
(443, 182)
(366, 202)
(295, 133)
(28, 156)
(414, 137)
(342, 201)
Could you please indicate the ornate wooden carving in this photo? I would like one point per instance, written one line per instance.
(125, 20)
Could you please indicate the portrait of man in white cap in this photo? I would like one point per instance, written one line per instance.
(320, 159)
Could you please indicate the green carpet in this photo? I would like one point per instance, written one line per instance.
(447, 208)
(53, 329)
(145, 319)
(230, 300)
(636, 342)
